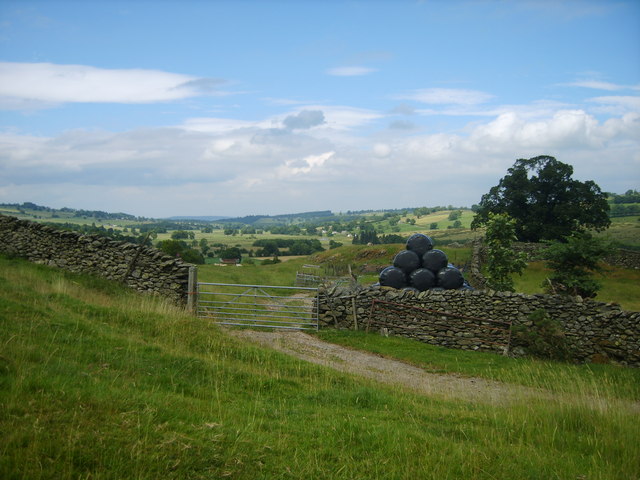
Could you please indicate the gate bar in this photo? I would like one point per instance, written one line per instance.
(286, 312)
(257, 286)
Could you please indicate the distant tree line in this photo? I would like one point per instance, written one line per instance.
(623, 210)
(625, 204)
(630, 196)
(272, 247)
(368, 235)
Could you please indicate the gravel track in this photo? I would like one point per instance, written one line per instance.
(389, 371)
(411, 378)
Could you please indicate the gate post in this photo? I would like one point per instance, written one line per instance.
(192, 291)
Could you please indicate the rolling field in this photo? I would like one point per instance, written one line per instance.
(99, 382)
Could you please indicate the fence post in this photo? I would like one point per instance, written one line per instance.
(355, 313)
(192, 291)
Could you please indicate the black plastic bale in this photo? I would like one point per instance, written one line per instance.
(419, 243)
(407, 261)
(435, 260)
(410, 289)
(393, 277)
(450, 278)
(422, 279)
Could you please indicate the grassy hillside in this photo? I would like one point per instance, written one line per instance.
(98, 382)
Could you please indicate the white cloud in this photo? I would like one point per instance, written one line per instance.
(446, 96)
(595, 84)
(600, 85)
(616, 105)
(350, 71)
(381, 150)
(231, 167)
(320, 117)
(565, 128)
(26, 84)
(285, 101)
(221, 125)
(536, 109)
(344, 117)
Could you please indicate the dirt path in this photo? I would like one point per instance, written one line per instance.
(397, 373)
(389, 371)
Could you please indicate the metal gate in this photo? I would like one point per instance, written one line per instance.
(269, 306)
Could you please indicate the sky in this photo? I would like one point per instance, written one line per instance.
(233, 108)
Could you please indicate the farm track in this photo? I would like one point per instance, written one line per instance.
(400, 374)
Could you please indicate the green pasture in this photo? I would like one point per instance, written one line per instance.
(624, 231)
(619, 285)
(97, 382)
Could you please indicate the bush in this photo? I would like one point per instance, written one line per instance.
(192, 256)
(573, 263)
(502, 261)
(179, 248)
(544, 338)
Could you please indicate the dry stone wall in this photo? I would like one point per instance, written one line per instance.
(624, 258)
(473, 320)
(144, 269)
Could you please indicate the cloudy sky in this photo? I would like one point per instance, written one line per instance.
(267, 107)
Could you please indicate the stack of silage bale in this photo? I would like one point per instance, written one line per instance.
(421, 267)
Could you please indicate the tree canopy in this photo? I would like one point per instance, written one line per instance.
(545, 201)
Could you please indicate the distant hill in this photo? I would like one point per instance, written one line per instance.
(289, 218)
(201, 218)
(40, 211)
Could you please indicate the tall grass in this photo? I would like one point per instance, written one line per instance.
(98, 382)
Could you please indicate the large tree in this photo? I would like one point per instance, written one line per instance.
(543, 199)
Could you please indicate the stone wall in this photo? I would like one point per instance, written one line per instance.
(624, 258)
(475, 320)
(144, 269)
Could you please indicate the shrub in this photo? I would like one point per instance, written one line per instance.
(544, 338)
(502, 261)
(573, 263)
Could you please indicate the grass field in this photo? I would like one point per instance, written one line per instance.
(624, 231)
(98, 382)
(619, 285)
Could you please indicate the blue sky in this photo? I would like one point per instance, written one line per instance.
(244, 107)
